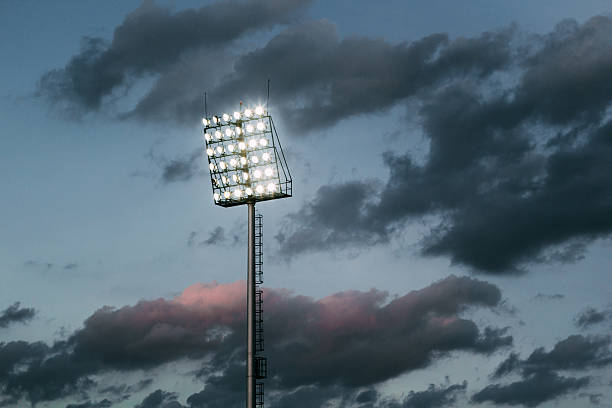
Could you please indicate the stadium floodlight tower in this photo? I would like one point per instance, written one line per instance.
(247, 165)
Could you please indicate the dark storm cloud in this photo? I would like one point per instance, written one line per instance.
(323, 348)
(16, 314)
(320, 78)
(507, 169)
(531, 391)
(592, 316)
(101, 68)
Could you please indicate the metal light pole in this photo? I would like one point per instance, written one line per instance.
(247, 165)
(251, 375)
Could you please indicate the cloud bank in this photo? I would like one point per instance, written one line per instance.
(323, 348)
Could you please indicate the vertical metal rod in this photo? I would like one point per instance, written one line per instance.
(250, 400)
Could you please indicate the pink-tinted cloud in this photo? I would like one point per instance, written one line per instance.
(349, 338)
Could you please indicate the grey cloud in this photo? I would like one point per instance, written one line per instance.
(542, 296)
(505, 192)
(531, 391)
(123, 391)
(217, 236)
(592, 316)
(540, 381)
(575, 352)
(16, 314)
(101, 68)
(182, 168)
(105, 403)
(433, 397)
(160, 399)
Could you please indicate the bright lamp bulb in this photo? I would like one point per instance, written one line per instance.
(228, 132)
(271, 187)
(260, 126)
(243, 160)
(226, 194)
(252, 143)
(225, 117)
(231, 148)
(209, 151)
(259, 111)
(236, 115)
(238, 131)
(248, 191)
(211, 166)
(235, 178)
(245, 176)
(263, 141)
(268, 172)
(218, 135)
(216, 196)
(259, 189)
(255, 159)
(248, 113)
(250, 128)
(233, 162)
(205, 121)
(207, 137)
(257, 174)
(219, 149)
(223, 165)
(215, 120)
(265, 156)
(241, 146)
(237, 193)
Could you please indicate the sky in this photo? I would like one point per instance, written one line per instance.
(447, 243)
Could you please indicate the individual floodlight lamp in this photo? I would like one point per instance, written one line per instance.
(247, 165)
(249, 140)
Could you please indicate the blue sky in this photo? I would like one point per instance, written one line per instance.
(436, 148)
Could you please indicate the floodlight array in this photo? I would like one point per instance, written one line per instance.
(244, 162)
